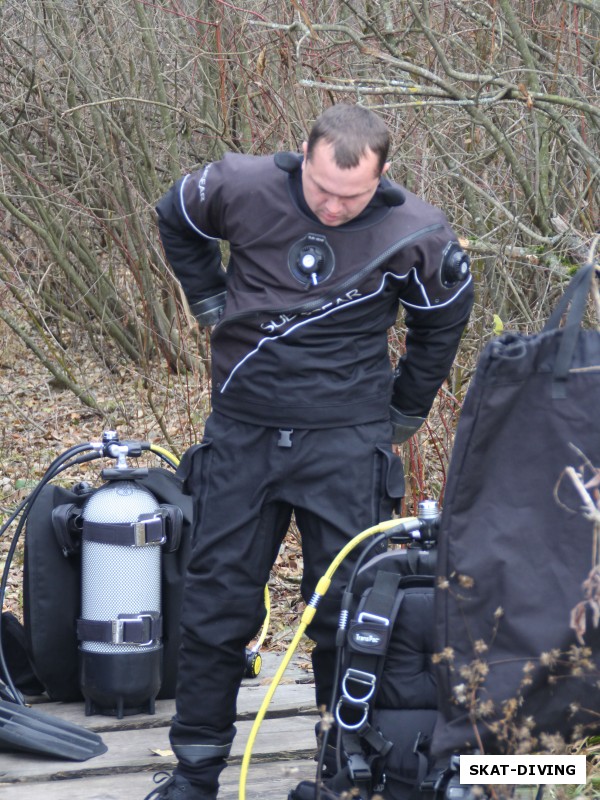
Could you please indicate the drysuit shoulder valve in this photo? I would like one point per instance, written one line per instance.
(455, 265)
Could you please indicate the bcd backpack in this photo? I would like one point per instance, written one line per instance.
(42, 654)
(386, 704)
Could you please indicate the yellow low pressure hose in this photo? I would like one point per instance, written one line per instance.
(173, 460)
(265, 625)
(307, 617)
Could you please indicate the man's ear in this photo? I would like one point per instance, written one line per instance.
(386, 166)
(304, 149)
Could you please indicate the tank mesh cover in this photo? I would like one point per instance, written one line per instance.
(119, 579)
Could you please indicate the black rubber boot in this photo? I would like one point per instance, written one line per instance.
(176, 787)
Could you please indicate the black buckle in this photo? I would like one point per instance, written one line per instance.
(436, 780)
(149, 530)
(136, 630)
(358, 768)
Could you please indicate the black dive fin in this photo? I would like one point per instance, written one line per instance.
(22, 728)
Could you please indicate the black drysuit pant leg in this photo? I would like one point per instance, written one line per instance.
(247, 481)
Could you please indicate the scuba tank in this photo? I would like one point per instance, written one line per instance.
(120, 629)
(119, 519)
(103, 577)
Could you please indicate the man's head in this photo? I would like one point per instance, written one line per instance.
(344, 158)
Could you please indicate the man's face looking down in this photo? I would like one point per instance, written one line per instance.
(336, 195)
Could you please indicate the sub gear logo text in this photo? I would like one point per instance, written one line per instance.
(275, 325)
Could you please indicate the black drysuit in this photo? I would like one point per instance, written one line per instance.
(301, 395)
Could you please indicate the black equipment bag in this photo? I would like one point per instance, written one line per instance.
(52, 586)
(386, 705)
(517, 602)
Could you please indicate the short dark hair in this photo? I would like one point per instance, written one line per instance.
(352, 130)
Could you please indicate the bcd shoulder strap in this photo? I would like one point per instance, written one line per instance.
(366, 646)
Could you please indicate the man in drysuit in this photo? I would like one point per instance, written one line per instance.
(323, 249)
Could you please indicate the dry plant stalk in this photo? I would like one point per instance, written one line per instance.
(591, 585)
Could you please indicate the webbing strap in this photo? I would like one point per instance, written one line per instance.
(369, 632)
(421, 745)
(137, 629)
(149, 529)
(576, 294)
(367, 642)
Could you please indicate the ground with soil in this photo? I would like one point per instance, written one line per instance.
(40, 421)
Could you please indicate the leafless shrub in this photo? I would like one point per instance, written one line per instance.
(492, 106)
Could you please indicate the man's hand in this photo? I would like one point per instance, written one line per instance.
(403, 427)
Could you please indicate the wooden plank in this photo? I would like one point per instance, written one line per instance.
(272, 780)
(295, 694)
(138, 746)
(149, 749)
(289, 700)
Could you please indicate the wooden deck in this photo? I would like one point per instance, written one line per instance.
(138, 747)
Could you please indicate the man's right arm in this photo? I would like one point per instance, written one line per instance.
(194, 257)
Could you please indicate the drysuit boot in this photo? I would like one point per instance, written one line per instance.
(177, 787)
